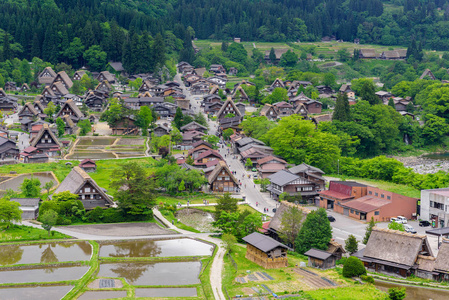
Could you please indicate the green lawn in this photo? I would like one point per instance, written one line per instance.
(354, 292)
(16, 233)
(385, 185)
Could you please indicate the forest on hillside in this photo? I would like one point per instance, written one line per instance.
(81, 32)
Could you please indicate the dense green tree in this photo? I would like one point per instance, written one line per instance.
(396, 226)
(341, 112)
(48, 220)
(291, 222)
(278, 95)
(272, 56)
(367, 92)
(391, 103)
(353, 267)
(351, 245)
(227, 133)
(237, 53)
(289, 59)
(316, 232)
(298, 141)
(368, 231)
(159, 50)
(61, 126)
(257, 127)
(144, 119)
(95, 58)
(31, 187)
(434, 129)
(396, 293)
(85, 127)
(227, 204)
(134, 190)
(10, 212)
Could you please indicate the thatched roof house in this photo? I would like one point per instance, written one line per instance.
(393, 251)
(80, 183)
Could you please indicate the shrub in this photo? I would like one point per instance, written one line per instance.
(94, 216)
(341, 261)
(353, 267)
(367, 278)
(113, 215)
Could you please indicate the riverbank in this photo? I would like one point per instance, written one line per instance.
(424, 165)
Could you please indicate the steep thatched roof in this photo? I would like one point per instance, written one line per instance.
(275, 223)
(65, 78)
(218, 168)
(76, 179)
(442, 260)
(74, 108)
(395, 246)
(44, 130)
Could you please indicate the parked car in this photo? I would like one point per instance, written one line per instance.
(409, 228)
(393, 220)
(255, 176)
(254, 170)
(331, 218)
(424, 223)
(401, 219)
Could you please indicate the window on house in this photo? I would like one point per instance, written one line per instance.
(370, 192)
(357, 213)
(376, 194)
(388, 198)
(381, 195)
(352, 211)
(376, 213)
(87, 190)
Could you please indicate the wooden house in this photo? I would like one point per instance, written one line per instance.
(95, 101)
(90, 194)
(394, 252)
(194, 126)
(145, 86)
(59, 89)
(346, 89)
(277, 83)
(233, 71)
(198, 150)
(24, 88)
(221, 179)
(284, 109)
(394, 54)
(311, 173)
(265, 251)
(368, 54)
(29, 207)
(79, 74)
(269, 111)
(28, 111)
(228, 108)
(7, 103)
(320, 259)
(88, 165)
(269, 165)
(214, 68)
(207, 156)
(46, 141)
(277, 52)
(64, 79)
(46, 76)
(33, 155)
(427, 74)
(104, 86)
(161, 130)
(125, 126)
(71, 109)
(199, 88)
(335, 249)
(286, 182)
(70, 126)
(239, 94)
(275, 227)
(10, 86)
(106, 75)
(254, 154)
(8, 148)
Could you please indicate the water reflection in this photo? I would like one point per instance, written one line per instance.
(48, 256)
(151, 248)
(45, 253)
(10, 255)
(173, 273)
(39, 275)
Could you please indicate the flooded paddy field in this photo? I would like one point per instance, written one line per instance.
(45, 253)
(166, 292)
(35, 292)
(43, 274)
(147, 274)
(94, 295)
(155, 248)
(14, 182)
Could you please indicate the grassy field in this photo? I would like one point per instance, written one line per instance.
(287, 281)
(385, 185)
(102, 176)
(16, 233)
(195, 199)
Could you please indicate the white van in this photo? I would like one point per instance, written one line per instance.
(401, 219)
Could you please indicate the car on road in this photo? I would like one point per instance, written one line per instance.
(399, 219)
(169, 119)
(255, 176)
(409, 228)
(331, 218)
(424, 223)
(254, 170)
